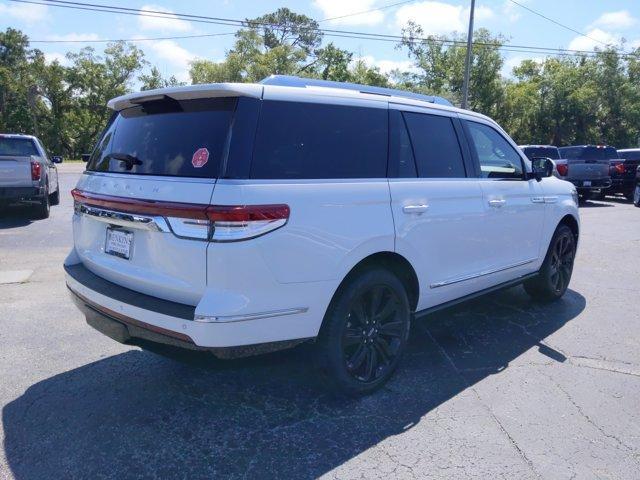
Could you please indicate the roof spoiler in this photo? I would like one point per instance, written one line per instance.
(293, 81)
(188, 92)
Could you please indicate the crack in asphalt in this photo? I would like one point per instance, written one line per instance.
(589, 420)
(502, 428)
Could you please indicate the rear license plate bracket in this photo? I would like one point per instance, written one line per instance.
(118, 242)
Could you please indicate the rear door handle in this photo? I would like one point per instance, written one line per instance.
(497, 202)
(417, 209)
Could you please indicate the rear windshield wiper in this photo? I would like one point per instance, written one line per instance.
(130, 160)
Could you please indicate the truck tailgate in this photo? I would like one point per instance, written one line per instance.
(588, 169)
(15, 171)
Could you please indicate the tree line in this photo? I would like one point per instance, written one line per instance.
(558, 100)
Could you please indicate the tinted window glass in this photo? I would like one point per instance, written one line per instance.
(546, 152)
(588, 153)
(168, 137)
(498, 159)
(307, 140)
(17, 147)
(435, 146)
(630, 155)
(402, 164)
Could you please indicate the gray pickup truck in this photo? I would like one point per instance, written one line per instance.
(27, 174)
(586, 166)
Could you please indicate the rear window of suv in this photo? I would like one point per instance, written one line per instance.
(166, 137)
(297, 140)
(17, 147)
(588, 153)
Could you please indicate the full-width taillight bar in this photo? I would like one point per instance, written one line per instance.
(221, 223)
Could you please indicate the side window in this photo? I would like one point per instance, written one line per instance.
(401, 162)
(498, 159)
(309, 140)
(435, 146)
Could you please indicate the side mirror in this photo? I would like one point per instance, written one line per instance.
(56, 159)
(85, 157)
(542, 167)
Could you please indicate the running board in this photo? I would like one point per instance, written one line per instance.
(501, 286)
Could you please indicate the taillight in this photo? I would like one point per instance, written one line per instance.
(36, 171)
(618, 168)
(563, 169)
(231, 223)
(218, 223)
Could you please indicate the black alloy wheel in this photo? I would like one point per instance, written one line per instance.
(364, 332)
(373, 333)
(555, 274)
(562, 262)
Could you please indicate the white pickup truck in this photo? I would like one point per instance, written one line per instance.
(27, 174)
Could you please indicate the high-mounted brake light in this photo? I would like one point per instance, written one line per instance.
(36, 170)
(563, 169)
(218, 223)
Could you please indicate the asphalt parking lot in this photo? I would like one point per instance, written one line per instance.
(499, 387)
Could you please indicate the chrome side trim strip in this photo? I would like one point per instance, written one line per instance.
(481, 274)
(155, 224)
(248, 316)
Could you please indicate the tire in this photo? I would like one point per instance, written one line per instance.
(54, 198)
(636, 196)
(364, 333)
(555, 274)
(43, 209)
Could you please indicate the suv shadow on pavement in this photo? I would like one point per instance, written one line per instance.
(137, 414)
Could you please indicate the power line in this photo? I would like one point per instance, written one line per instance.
(133, 40)
(384, 7)
(328, 32)
(558, 23)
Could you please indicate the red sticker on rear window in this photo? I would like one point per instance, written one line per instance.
(200, 158)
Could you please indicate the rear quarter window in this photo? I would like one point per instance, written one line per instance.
(168, 137)
(297, 140)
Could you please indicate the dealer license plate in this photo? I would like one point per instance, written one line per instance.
(118, 242)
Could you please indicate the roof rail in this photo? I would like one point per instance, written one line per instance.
(293, 81)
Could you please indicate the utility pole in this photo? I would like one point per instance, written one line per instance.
(467, 63)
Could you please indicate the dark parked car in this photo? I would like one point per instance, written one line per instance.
(593, 163)
(636, 192)
(623, 172)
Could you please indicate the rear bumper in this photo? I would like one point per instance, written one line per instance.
(126, 316)
(20, 194)
(599, 184)
(623, 185)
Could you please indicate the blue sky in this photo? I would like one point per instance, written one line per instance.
(607, 21)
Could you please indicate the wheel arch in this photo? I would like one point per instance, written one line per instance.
(393, 262)
(571, 222)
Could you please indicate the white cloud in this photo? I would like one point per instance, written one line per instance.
(512, 11)
(51, 57)
(619, 20)
(338, 8)
(173, 56)
(387, 66)
(164, 22)
(597, 38)
(438, 18)
(27, 12)
(514, 61)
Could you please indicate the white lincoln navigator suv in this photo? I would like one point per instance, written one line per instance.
(246, 218)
